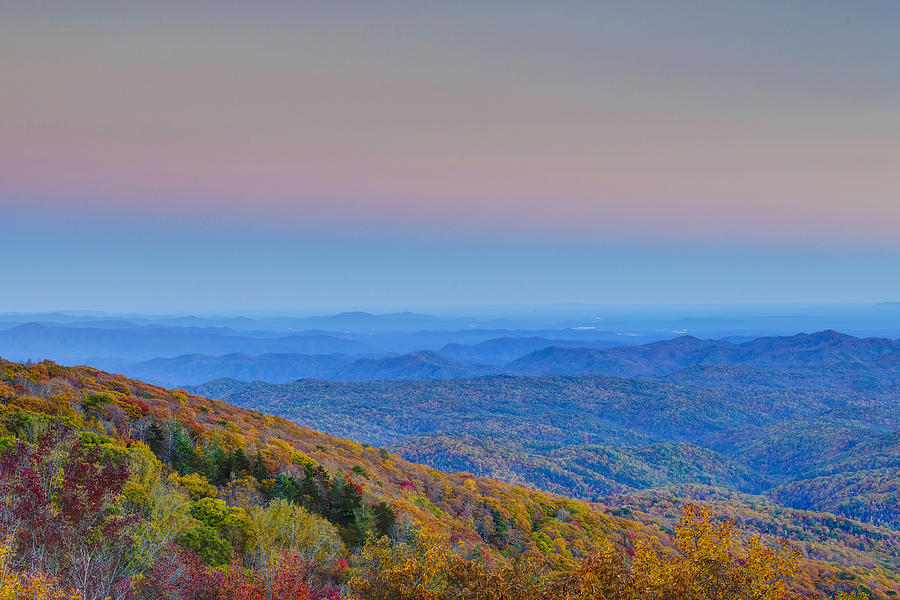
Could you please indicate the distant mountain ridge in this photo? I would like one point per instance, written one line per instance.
(417, 365)
(669, 356)
(109, 343)
(193, 369)
(208, 353)
(77, 344)
(768, 362)
(196, 369)
(503, 350)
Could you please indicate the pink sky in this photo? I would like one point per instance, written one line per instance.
(515, 123)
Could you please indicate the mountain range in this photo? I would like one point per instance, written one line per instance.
(207, 475)
(794, 418)
(668, 356)
(783, 361)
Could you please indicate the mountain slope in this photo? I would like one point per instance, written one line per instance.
(872, 547)
(500, 520)
(545, 431)
(452, 503)
(547, 411)
(870, 496)
(418, 365)
(586, 471)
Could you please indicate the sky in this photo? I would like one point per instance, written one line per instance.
(278, 155)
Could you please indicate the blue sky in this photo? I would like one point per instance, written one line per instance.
(117, 264)
(206, 155)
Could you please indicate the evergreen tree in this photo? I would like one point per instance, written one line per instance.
(384, 520)
(156, 440)
(239, 461)
(216, 464)
(286, 487)
(184, 459)
(315, 489)
(260, 470)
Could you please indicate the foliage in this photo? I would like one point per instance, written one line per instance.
(706, 562)
(427, 567)
(590, 436)
(282, 527)
(57, 500)
(27, 584)
(185, 497)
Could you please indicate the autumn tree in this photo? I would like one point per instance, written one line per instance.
(27, 584)
(57, 500)
(708, 562)
(180, 575)
(428, 567)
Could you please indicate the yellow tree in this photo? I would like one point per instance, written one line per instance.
(708, 562)
(414, 570)
(429, 568)
(713, 564)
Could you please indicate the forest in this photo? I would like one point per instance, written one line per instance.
(814, 444)
(113, 488)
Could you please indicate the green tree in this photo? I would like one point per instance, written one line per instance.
(205, 542)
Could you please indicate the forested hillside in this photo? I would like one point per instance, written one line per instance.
(592, 436)
(110, 487)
